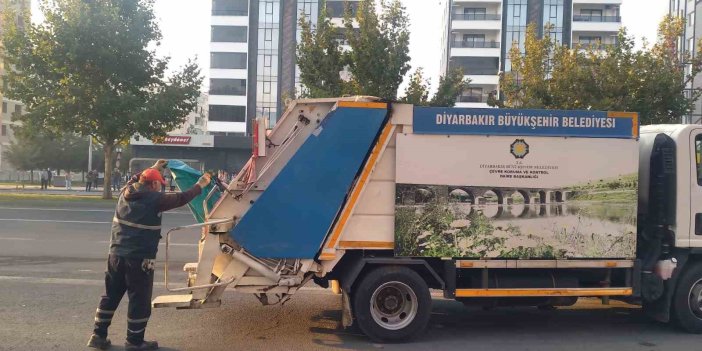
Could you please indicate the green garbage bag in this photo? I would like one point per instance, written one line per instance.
(185, 177)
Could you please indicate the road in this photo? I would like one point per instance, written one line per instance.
(51, 268)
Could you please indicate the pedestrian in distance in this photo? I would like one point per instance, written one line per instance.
(69, 175)
(116, 179)
(89, 181)
(49, 176)
(136, 231)
(96, 176)
(44, 179)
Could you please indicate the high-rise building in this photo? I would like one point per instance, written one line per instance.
(252, 58)
(479, 34)
(9, 107)
(690, 10)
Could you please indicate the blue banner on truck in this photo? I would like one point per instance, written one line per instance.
(490, 121)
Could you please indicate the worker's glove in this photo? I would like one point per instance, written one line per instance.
(160, 165)
(204, 181)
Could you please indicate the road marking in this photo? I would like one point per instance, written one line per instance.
(68, 281)
(50, 220)
(171, 244)
(22, 239)
(74, 210)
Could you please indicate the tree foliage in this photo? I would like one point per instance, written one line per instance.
(30, 151)
(450, 88)
(378, 58)
(91, 69)
(651, 81)
(319, 57)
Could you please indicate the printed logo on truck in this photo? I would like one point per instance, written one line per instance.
(519, 148)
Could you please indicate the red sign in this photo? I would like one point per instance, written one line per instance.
(178, 140)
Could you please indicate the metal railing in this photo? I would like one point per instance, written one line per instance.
(596, 46)
(476, 17)
(472, 98)
(596, 18)
(475, 44)
(229, 12)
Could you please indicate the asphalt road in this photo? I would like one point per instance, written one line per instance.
(51, 268)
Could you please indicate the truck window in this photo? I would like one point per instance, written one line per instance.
(698, 158)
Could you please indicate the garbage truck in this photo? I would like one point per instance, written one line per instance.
(491, 207)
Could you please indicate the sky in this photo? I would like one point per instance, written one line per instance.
(185, 25)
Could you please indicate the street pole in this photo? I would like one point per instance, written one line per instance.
(90, 153)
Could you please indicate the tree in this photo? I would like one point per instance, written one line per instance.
(451, 86)
(379, 56)
(91, 69)
(417, 91)
(319, 57)
(651, 81)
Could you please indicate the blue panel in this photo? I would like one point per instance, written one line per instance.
(490, 121)
(292, 217)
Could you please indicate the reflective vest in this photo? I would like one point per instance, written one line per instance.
(136, 225)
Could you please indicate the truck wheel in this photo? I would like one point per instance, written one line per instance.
(392, 304)
(687, 301)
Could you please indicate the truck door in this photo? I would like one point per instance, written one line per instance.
(695, 188)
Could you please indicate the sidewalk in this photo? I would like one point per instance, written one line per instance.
(6, 188)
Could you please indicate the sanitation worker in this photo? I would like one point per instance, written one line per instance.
(136, 231)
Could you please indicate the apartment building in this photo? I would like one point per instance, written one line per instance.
(9, 107)
(252, 58)
(479, 34)
(691, 10)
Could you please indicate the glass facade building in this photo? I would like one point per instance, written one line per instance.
(479, 35)
(252, 58)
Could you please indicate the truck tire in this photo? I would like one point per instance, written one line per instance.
(391, 304)
(687, 301)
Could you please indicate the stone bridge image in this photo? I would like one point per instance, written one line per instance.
(408, 194)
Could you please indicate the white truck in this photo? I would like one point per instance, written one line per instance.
(491, 206)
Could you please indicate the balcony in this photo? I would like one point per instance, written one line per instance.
(601, 19)
(476, 17)
(597, 46)
(476, 44)
(475, 48)
(229, 12)
(596, 23)
(476, 21)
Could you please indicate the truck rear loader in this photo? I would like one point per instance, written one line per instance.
(494, 207)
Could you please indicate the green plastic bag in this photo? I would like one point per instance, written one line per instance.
(185, 177)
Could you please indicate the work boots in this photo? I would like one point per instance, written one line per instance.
(98, 342)
(145, 345)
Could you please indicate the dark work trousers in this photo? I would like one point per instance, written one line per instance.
(136, 278)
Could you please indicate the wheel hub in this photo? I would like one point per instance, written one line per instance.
(394, 305)
(695, 299)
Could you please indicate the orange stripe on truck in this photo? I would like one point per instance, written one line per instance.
(366, 244)
(543, 292)
(361, 104)
(360, 185)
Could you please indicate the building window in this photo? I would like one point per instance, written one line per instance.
(226, 113)
(18, 109)
(229, 34)
(267, 59)
(4, 107)
(553, 19)
(227, 86)
(472, 95)
(4, 130)
(230, 7)
(515, 30)
(337, 8)
(198, 121)
(228, 60)
(476, 65)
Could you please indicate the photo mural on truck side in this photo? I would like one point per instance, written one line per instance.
(478, 183)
